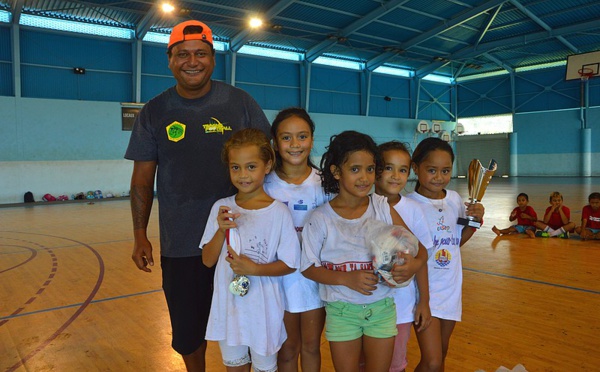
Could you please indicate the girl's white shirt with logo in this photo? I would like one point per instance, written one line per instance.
(444, 260)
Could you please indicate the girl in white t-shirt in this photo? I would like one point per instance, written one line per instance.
(296, 182)
(396, 169)
(432, 163)
(360, 313)
(250, 235)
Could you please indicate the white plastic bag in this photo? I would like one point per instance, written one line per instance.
(385, 242)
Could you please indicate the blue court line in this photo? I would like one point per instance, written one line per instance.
(532, 281)
(160, 290)
(79, 304)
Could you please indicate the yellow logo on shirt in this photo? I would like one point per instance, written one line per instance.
(176, 131)
(443, 257)
(215, 126)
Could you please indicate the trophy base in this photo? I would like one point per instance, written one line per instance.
(468, 222)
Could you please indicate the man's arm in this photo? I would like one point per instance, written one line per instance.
(142, 196)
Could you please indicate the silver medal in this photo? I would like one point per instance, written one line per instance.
(240, 285)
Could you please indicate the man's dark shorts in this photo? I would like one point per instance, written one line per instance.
(188, 287)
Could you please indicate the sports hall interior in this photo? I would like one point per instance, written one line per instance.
(72, 72)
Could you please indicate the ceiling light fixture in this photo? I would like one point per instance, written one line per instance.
(255, 22)
(167, 7)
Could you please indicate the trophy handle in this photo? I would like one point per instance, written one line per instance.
(469, 221)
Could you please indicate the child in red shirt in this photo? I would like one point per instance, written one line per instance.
(590, 218)
(557, 219)
(525, 216)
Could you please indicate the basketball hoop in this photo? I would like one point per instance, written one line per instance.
(585, 74)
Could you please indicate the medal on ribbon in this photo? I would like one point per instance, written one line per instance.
(240, 284)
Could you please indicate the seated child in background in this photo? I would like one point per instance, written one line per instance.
(590, 218)
(557, 219)
(525, 216)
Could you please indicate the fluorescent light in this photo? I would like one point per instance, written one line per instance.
(272, 53)
(541, 66)
(439, 78)
(481, 76)
(393, 71)
(338, 63)
(73, 26)
(4, 16)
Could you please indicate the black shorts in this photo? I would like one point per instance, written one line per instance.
(188, 287)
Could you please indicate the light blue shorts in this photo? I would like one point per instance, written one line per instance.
(522, 228)
(347, 322)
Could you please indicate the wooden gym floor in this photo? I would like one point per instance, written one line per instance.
(72, 300)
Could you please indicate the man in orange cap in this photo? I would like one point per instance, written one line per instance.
(177, 138)
(193, 73)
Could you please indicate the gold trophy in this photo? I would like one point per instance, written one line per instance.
(479, 179)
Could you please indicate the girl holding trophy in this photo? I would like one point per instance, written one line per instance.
(252, 240)
(432, 163)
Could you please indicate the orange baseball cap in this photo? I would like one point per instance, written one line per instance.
(181, 33)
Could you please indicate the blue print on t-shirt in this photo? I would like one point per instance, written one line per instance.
(451, 240)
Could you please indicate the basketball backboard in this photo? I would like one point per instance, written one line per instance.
(583, 64)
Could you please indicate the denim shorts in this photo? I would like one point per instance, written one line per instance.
(347, 322)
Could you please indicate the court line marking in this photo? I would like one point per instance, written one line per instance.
(532, 280)
(73, 317)
(80, 303)
(51, 275)
(71, 245)
(160, 290)
(33, 254)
